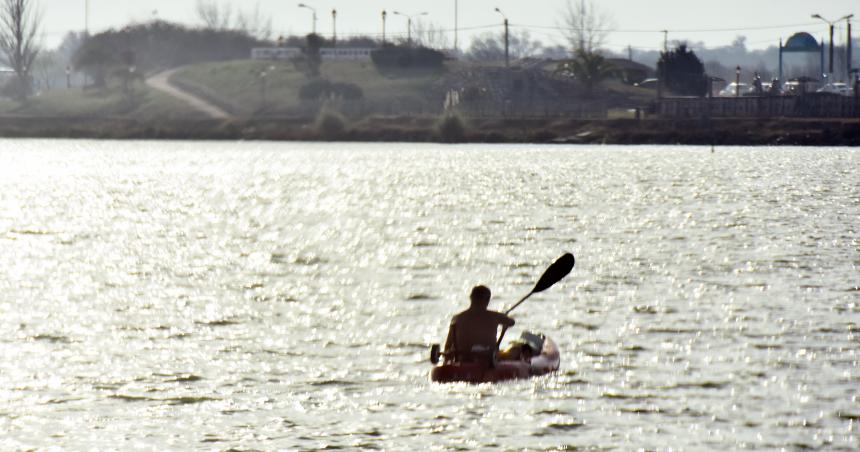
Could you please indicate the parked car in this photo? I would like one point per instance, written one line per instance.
(648, 83)
(799, 86)
(837, 88)
(731, 90)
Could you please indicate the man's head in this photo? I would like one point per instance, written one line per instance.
(480, 297)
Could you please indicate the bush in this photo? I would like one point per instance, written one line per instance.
(452, 129)
(16, 89)
(321, 89)
(315, 89)
(348, 91)
(330, 123)
(393, 57)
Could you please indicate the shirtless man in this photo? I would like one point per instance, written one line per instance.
(473, 332)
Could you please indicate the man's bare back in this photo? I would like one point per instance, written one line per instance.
(476, 328)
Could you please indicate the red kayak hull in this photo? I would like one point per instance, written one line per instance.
(548, 361)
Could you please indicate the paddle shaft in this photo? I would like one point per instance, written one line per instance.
(519, 302)
(505, 329)
(555, 273)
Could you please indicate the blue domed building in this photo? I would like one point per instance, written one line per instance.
(800, 43)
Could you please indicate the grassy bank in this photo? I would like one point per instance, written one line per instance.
(789, 132)
(143, 104)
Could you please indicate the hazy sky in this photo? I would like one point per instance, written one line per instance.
(637, 22)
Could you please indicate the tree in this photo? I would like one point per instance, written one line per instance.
(491, 47)
(313, 57)
(219, 17)
(428, 34)
(589, 68)
(47, 70)
(397, 59)
(159, 45)
(253, 24)
(586, 26)
(683, 72)
(20, 21)
(214, 15)
(95, 58)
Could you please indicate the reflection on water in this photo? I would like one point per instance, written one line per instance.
(260, 295)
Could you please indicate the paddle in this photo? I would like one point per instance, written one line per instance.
(555, 273)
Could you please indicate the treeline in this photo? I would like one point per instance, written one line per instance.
(156, 45)
(722, 61)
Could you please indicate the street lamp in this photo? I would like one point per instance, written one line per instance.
(334, 27)
(384, 16)
(738, 81)
(507, 40)
(409, 23)
(314, 11)
(818, 16)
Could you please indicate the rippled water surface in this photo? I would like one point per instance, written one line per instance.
(282, 296)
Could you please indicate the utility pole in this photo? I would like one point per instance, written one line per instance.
(456, 25)
(507, 39)
(507, 45)
(849, 49)
(666, 40)
(831, 49)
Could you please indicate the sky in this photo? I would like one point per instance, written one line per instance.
(637, 23)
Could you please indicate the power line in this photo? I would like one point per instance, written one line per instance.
(700, 30)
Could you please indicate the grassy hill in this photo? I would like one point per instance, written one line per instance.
(239, 87)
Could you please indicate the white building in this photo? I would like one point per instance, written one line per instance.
(327, 53)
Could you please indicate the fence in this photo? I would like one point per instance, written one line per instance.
(533, 109)
(804, 106)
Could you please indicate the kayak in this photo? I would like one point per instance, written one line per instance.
(502, 369)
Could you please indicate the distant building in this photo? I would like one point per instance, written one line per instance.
(327, 53)
(629, 71)
(520, 91)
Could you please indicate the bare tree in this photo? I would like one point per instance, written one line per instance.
(429, 35)
(218, 16)
(586, 27)
(20, 20)
(253, 24)
(491, 47)
(214, 15)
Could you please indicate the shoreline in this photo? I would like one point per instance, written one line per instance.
(656, 131)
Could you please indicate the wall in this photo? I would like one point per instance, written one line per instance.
(807, 106)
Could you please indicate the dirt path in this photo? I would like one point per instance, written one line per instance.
(161, 82)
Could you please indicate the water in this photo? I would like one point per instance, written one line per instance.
(283, 296)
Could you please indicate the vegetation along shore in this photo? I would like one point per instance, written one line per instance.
(723, 132)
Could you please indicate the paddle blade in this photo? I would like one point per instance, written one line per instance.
(558, 270)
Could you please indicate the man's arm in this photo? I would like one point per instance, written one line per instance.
(504, 320)
(452, 338)
(506, 323)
